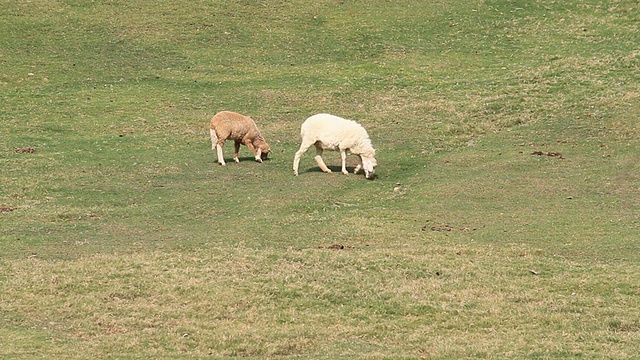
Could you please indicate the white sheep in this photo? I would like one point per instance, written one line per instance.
(242, 130)
(330, 132)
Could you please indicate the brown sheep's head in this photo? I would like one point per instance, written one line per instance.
(264, 150)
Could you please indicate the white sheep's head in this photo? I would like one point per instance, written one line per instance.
(368, 164)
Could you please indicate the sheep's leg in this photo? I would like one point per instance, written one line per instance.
(256, 152)
(217, 145)
(236, 146)
(319, 160)
(214, 139)
(359, 166)
(296, 160)
(343, 156)
(219, 152)
(259, 155)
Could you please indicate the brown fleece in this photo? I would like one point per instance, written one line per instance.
(241, 129)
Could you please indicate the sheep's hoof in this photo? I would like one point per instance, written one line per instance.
(259, 160)
(236, 160)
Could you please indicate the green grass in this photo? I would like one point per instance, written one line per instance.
(122, 238)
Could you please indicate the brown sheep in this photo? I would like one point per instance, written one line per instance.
(228, 125)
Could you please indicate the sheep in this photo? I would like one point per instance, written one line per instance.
(242, 130)
(330, 132)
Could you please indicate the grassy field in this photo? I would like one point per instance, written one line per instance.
(504, 222)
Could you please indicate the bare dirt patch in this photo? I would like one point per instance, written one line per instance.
(446, 227)
(336, 247)
(548, 153)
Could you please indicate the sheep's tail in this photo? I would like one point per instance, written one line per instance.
(214, 139)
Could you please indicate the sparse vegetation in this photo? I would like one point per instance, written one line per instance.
(120, 237)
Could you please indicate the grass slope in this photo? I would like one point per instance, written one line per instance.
(121, 238)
